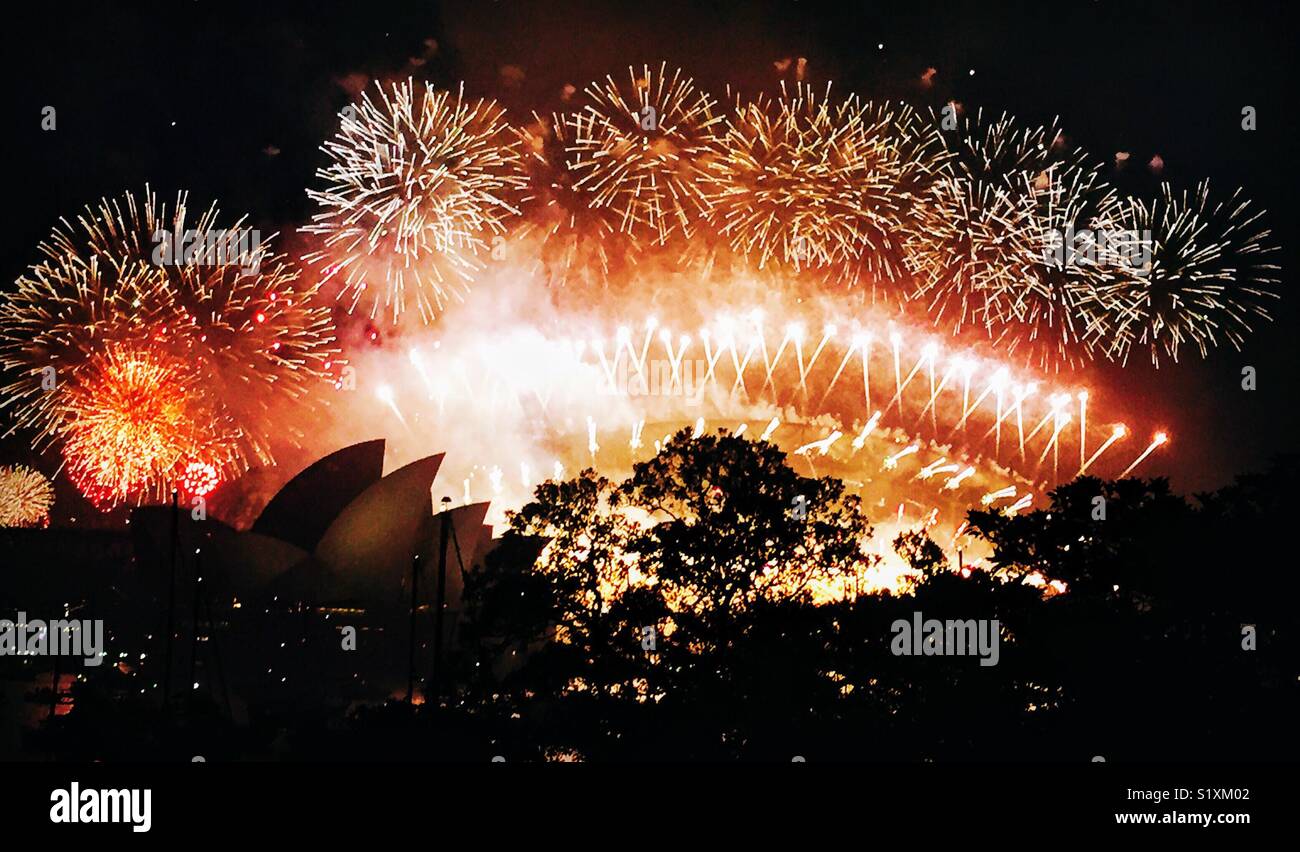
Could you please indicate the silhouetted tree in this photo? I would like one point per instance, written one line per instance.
(709, 545)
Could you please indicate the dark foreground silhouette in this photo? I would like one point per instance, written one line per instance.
(699, 638)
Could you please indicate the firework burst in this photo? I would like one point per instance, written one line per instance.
(131, 425)
(638, 152)
(1058, 310)
(418, 183)
(579, 242)
(1206, 278)
(25, 497)
(233, 330)
(982, 258)
(200, 479)
(809, 182)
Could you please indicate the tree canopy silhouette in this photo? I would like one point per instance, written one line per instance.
(670, 616)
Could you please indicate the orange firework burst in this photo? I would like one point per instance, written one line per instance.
(129, 423)
(417, 183)
(637, 152)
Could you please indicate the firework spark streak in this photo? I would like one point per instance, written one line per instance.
(418, 182)
(1159, 440)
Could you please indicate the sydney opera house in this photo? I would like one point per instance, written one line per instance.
(330, 597)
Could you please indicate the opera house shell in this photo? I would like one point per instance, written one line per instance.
(335, 548)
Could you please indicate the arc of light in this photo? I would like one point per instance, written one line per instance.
(1159, 439)
(932, 406)
(1083, 426)
(1115, 434)
(898, 394)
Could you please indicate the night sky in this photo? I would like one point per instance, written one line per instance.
(231, 100)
